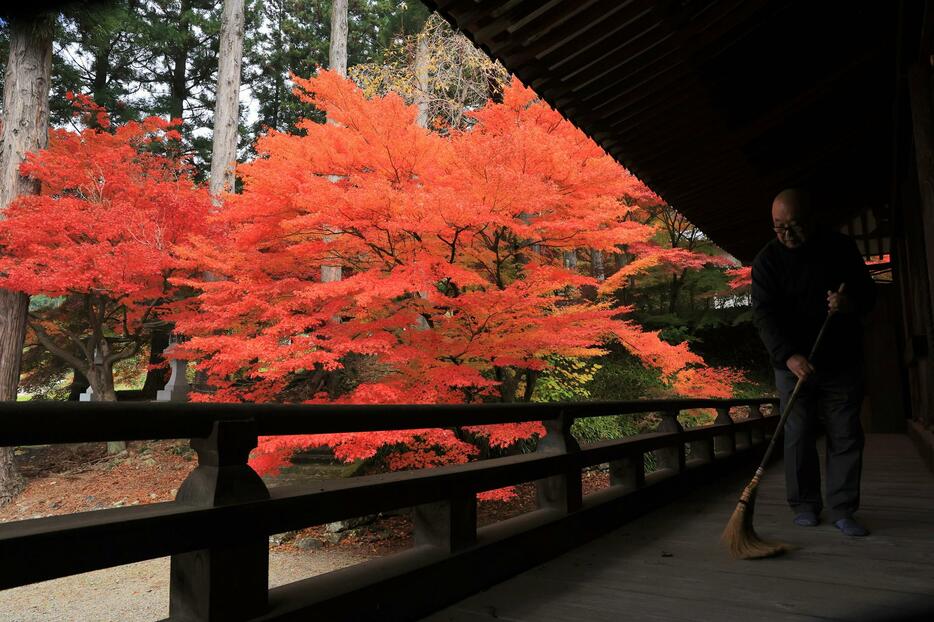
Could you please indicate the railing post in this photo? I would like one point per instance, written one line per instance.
(671, 457)
(724, 444)
(562, 492)
(702, 450)
(757, 434)
(743, 435)
(450, 525)
(228, 582)
(628, 472)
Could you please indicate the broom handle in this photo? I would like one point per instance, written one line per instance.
(794, 396)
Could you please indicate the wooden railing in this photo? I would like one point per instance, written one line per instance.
(217, 529)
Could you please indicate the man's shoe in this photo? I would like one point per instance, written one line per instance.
(850, 527)
(806, 519)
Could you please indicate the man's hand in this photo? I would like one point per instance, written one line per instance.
(799, 366)
(838, 302)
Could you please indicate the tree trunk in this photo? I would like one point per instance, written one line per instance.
(599, 272)
(509, 382)
(279, 69)
(101, 69)
(531, 379)
(337, 61)
(421, 100)
(101, 378)
(102, 382)
(422, 97)
(25, 129)
(227, 108)
(674, 291)
(337, 53)
(178, 87)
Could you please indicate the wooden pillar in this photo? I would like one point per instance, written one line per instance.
(724, 444)
(922, 108)
(227, 582)
(561, 492)
(671, 457)
(911, 275)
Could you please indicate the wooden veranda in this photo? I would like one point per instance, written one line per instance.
(667, 565)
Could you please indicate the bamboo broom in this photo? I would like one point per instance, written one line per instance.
(740, 536)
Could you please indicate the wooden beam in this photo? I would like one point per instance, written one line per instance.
(36, 423)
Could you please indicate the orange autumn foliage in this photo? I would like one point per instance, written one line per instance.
(100, 237)
(451, 249)
(740, 278)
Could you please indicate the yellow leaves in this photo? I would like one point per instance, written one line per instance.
(619, 278)
(438, 69)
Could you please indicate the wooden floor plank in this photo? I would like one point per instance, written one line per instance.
(668, 565)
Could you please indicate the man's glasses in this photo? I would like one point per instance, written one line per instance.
(783, 229)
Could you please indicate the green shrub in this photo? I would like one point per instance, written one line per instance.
(621, 376)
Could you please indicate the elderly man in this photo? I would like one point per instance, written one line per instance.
(796, 280)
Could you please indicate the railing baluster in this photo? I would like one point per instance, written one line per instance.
(629, 472)
(230, 582)
(562, 492)
(743, 437)
(702, 450)
(671, 457)
(450, 525)
(724, 444)
(757, 434)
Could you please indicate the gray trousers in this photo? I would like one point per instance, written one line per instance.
(829, 403)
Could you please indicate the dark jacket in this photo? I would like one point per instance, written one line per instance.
(789, 300)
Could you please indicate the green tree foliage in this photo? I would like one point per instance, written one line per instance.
(184, 35)
(290, 37)
(103, 50)
(141, 57)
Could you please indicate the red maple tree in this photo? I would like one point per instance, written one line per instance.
(451, 248)
(98, 241)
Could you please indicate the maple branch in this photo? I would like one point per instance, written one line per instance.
(546, 243)
(135, 337)
(76, 339)
(49, 344)
(499, 262)
(126, 353)
(453, 242)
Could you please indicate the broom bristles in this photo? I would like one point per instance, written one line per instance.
(741, 538)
